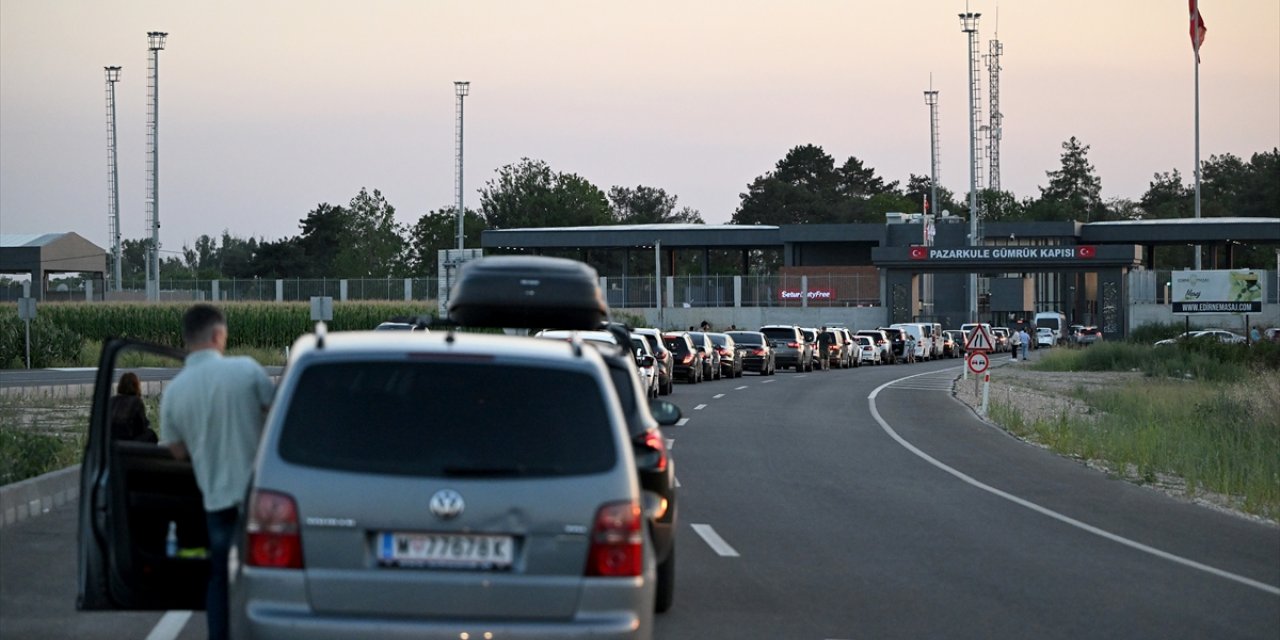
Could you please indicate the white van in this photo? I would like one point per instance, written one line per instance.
(1053, 320)
(924, 347)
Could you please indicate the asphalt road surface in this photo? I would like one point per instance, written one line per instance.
(864, 503)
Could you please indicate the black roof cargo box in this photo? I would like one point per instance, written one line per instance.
(527, 292)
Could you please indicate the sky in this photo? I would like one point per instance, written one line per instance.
(271, 107)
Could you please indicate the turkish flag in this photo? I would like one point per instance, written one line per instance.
(1086, 251)
(1197, 28)
(919, 253)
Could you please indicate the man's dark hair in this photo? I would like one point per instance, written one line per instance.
(198, 323)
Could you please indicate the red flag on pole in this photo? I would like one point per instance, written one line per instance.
(1197, 28)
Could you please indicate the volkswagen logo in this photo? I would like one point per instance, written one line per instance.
(447, 503)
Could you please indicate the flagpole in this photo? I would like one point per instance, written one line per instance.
(1197, 60)
(1197, 36)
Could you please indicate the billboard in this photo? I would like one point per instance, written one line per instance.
(1218, 291)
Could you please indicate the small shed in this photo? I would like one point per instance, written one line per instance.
(40, 254)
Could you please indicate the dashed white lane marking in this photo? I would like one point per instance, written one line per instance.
(717, 396)
(682, 421)
(768, 381)
(700, 407)
(170, 625)
(1133, 544)
(671, 443)
(740, 388)
(714, 541)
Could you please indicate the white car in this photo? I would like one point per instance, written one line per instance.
(868, 350)
(1045, 337)
(1221, 335)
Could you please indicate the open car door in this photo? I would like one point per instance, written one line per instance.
(130, 492)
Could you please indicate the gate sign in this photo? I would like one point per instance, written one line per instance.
(978, 361)
(979, 340)
(1217, 291)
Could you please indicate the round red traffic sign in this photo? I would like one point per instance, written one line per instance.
(978, 362)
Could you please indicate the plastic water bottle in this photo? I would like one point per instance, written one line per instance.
(171, 540)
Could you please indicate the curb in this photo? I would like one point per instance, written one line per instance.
(36, 496)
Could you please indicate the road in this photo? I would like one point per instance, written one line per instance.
(865, 503)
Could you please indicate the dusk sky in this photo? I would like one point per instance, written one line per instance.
(268, 108)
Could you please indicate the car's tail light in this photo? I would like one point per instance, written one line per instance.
(272, 529)
(722, 351)
(662, 356)
(688, 357)
(793, 345)
(654, 441)
(617, 548)
(758, 352)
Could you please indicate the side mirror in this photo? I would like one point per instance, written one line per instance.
(645, 361)
(666, 413)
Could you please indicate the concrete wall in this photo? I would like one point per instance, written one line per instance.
(752, 318)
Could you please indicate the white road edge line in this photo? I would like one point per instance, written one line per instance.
(1133, 544)
(170, 625)
(714, 541)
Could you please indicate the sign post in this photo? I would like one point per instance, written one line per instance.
(27, 313)
(978, 345)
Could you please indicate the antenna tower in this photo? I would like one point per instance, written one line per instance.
(996, 119)
(155, 44)
(113, 176)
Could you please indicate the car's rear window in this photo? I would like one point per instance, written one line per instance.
(746, 338)
(779, 334)
(448, 419)
(677, 345)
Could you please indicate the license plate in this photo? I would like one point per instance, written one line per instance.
(445, 550)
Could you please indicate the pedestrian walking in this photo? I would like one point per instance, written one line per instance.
(1026, 342)
(1015, 341)
(212, 412)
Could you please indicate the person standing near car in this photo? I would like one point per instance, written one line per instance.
(1025, 338)
(213, 413)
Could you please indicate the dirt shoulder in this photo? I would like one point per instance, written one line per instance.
(1045, 395)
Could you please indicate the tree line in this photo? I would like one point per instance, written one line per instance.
(362, 238)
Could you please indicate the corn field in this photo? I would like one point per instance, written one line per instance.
(60, 330)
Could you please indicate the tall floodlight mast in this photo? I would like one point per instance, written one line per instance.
(969, 23)
(113, 176)
(931, 99)
(155, 44)
(461, 89)
(995, 119)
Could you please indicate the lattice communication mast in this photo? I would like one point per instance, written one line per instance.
(996, 119)
(113, 176)
(155, 44)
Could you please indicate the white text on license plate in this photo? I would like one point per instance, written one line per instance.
(445, 550)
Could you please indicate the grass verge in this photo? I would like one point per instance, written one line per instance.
(1209, 423)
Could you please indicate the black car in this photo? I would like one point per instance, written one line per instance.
(688, 361)
(757, 353)
(730, 354)
(710, 357)
(653, 462)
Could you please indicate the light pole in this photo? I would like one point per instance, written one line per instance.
(113, 175)
(461, 89)
(931, 99)
(969, 22)
(155, 44)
